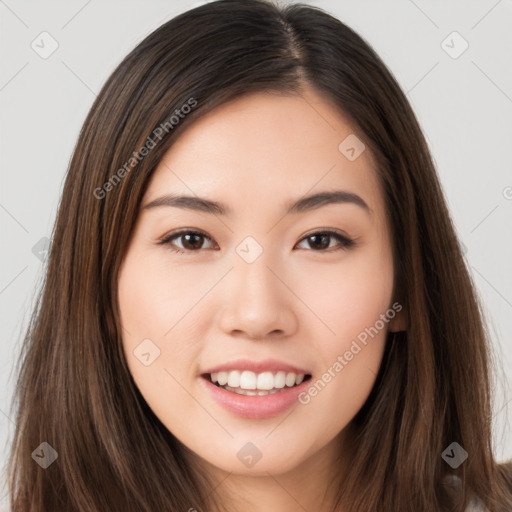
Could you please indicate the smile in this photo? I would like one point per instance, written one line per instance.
(255, 403)
(256, 384)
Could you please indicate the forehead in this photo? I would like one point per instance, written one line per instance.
(264, 146)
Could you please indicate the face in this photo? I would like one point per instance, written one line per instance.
(258, 292)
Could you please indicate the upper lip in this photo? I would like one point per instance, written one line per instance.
(273, 365)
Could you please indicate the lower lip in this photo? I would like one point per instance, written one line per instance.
(255, 407)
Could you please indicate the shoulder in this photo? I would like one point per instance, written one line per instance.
(475, 505)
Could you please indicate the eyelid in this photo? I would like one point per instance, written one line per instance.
(166, 239)
(346, 241)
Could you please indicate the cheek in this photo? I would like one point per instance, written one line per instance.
(152, 297)
(151, 307)
(151, 304)
(353, 302)
(347, 296)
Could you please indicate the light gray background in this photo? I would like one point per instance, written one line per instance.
(464, 105)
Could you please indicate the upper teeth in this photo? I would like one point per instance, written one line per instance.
(250, 380)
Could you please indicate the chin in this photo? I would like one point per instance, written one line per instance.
(254, 459)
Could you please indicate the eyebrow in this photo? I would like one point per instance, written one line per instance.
(311, 202)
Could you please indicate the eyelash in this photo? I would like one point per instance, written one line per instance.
(345, 242)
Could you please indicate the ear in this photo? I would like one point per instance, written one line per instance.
(399, 321)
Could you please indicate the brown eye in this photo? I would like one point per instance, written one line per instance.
(191, 241)
(320, 241)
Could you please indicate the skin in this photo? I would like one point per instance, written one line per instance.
(295, 302)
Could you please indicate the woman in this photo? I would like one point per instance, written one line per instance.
(255, 297)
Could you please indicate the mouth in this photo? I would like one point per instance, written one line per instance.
(250, 383)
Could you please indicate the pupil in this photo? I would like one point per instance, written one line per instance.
(192, 245)
(325, 239)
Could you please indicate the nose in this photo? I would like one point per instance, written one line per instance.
(257, 303)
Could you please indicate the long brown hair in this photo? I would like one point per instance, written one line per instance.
(74, 389)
